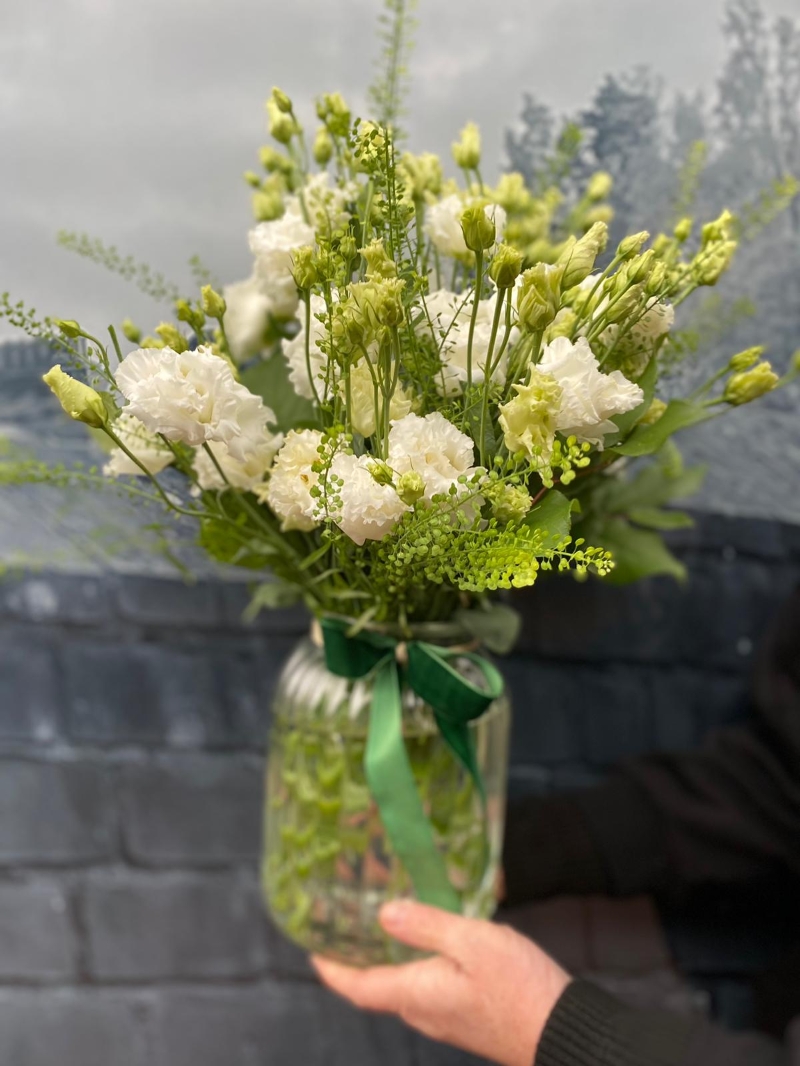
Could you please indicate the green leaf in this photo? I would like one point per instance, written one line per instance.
(638, 553)
(269, 379)
(270, 595)
(554, 514)
(648, 439)
(653, 486)
(497, 628)
(656, 518)
(625, 423)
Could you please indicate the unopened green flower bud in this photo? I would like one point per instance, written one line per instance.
(152, 342)
(599, 213)
(172, 337)
(744, 360)
(663, 245)
(478, 228)
(561, 326)
(323, 147)
(282, 126)
(639, 269)
(267, 205)
(130, 331)
(467, 149)
(421, 174)
(512, 193)
(506, 266)
(78, 400)
(379, 302)
(751, 385)
(721, 230)
(193, 316)
(653, 413)
(69, 327)
(711, 263)
(274, 161)
(539, 297)
(348, 249)
(625, 305)
(511, 503)
(578, 258)
(599, 187)
(631, 246)
(282, 101)
(252, 178)
(381, 472)
(683, 230)
(304, 268)
(379, 265)
(410, 487)
(657, 279)
(334, 112)
(213, 302)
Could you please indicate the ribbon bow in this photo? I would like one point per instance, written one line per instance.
(455, 702)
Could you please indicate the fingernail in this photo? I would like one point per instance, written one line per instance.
(394, 913)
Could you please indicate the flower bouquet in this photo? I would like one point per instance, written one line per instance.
(426, 392)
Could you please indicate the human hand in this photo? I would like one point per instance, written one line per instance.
(488, 990)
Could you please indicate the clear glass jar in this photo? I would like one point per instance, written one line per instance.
(328, 866)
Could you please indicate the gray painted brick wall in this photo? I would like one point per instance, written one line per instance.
(133, 714)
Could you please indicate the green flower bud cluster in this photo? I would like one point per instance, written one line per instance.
(192, 316)
(378, 263)
(130, 331)
(600, 187)
(513, 195)
(282, 125)
(746, 359)
(378, 303)
(750, 385)
(172, 337)
(410, 487)
(510, 503)
(213, 302)
(334, 113)
(421, 174)
(323, 147)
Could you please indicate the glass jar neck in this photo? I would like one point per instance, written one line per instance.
(444, 634)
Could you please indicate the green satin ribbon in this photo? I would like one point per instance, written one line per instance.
(455, 702)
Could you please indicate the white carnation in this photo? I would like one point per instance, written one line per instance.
(246, 316)
(368, 510)
(433, 448)
(294, 351)
(272, 244)
(245, 474)
(589, 397)
(450, 314)
(443, 224)
(288, 491)
(146, 446)
(192, 397)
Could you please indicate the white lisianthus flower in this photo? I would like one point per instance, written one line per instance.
(272, 244)
(244, 474)
(450, 314)
(363, 415)
(658, 319)
(589, 397)
(433, 448)
(146, 446)
(192, 397)
(443, 224)
(288, 491)
(294, 352)
(246, 317)
(368, 510)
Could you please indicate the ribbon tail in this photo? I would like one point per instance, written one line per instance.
(391, 782)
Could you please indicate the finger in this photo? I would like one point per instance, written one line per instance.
(427, 928)
(380, 988)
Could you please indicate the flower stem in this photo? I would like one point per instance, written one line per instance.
(474, 316)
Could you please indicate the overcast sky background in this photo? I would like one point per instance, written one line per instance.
(134, 121)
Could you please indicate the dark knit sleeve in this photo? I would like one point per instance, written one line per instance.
(606, 840)
(588, 1027)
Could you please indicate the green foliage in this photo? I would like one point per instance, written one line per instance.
(495, 625)
(648, 439)
(553, 514)
(151, 283)
(639, 553)
(395, 31)
(269, 379)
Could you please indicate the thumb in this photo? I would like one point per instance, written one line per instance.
(426, 928)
